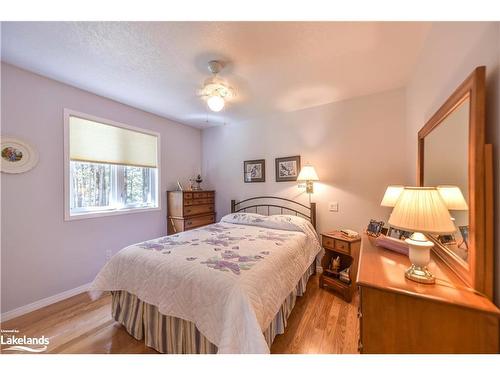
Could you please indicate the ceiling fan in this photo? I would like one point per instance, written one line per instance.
(215, 90)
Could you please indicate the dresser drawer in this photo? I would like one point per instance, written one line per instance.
(188, 195)
(203, 194)
(342, 246)
(199, 221)
(193, 202)
(200, 194)
(199, 209)
(328, 242)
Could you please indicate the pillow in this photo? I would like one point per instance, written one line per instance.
(282, 222)
(244, 218)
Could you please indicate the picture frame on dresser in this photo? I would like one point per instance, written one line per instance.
(398, 234)
(374, 228)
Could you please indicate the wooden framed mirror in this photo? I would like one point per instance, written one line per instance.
(452, 154)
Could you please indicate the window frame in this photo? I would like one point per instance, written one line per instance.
(95, 213)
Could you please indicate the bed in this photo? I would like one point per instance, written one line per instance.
(228, 287)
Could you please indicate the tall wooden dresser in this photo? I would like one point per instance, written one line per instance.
(398, 315)
(189, 210)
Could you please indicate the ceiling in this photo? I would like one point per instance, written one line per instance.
(274, 66)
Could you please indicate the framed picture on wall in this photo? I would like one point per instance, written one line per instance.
(254, 170)
(288, 168)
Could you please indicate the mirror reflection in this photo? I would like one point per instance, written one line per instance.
(446, 150)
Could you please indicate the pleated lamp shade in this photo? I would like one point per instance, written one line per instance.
(391, 195)
(308, 173)
(453, 197)
(421, 209)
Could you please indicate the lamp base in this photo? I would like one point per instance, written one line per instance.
(420, 275)
(309, 187)
(419, 254)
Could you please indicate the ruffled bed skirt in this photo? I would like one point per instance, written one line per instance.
(167, 334)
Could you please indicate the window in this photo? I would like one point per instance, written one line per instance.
(111, 168)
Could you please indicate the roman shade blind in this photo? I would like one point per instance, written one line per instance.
(95, 142)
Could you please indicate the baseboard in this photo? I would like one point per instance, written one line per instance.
(43, 302)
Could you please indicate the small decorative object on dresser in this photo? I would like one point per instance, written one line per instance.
(374, 228)
(346, 249)
(398, 233)
(447, 239)
(189, 210)
(254, 170)
(198, 180)
(287, 169)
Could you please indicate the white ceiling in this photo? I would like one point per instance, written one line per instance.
(274, 66)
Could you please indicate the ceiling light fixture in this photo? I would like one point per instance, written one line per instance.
(215, 90)
(215, 103)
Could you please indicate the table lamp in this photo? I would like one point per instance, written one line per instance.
(421, 210)
(308, 174)
(453, 197)
(391, 196)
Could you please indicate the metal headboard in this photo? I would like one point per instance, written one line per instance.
(297, 208)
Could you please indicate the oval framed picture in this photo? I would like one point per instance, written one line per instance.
(17, 156)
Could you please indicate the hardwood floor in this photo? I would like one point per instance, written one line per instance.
(321, 322)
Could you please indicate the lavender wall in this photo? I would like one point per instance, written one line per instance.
(450, 54)
(42, 255)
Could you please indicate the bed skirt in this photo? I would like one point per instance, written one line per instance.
(168, 334)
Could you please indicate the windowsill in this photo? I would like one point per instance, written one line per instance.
(96, 214)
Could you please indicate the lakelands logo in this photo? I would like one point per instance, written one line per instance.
(22, 343)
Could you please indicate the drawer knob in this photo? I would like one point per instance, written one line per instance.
(360, 314)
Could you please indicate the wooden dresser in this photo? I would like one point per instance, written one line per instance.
(189, 210)
(401, 316)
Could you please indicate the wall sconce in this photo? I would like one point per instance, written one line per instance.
(308, 174)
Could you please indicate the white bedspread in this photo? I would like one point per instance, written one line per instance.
(229, 278)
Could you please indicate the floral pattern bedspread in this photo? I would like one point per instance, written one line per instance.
(229, 278)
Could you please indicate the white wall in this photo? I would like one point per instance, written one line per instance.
(449, 55)
(355, 145)
(42, 255)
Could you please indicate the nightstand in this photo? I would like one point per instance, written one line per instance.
(347, 249)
